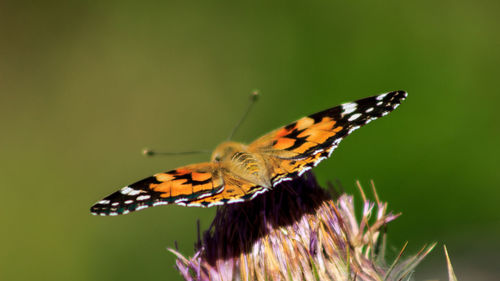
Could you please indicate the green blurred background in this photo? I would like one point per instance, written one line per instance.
(85, 85)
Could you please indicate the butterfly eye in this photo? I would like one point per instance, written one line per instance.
(217, 158)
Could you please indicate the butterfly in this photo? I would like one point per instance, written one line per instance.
(238, 172)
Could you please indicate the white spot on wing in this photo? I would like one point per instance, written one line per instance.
(352, 129)
(134, 192)
(104, 202)
(125, 190)
(194, 205)
(354, 117)
(235, 201)
(217, 203)
(349, 108)
(317, 151)
(304, 170)
(141, 207)
(331, 150)
(143, 197)
(334, 145)
(319, 160)
(129, 191)
(379, 103)
(278, 182)
(129, 202)
(381, 97)
(199, 197)
(158, 203)
(368, 110)
(259, 192)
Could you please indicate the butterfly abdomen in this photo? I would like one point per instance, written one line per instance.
(247, 162)
(250, 166)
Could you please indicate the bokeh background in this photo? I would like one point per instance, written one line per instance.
(85, 85)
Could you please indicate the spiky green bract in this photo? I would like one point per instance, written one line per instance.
(297, 231)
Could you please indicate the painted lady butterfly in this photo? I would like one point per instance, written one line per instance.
(239, 172)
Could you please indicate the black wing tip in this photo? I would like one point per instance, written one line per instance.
(121, 206)
(400, 94)
(100, 209)
(105, 211)
(108, 207)
(122, 202)
(388, 101)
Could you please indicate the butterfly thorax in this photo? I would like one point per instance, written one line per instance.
(241, 162)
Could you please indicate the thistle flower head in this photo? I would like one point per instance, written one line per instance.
(297, 231)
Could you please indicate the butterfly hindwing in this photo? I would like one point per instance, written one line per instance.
(235, 190)
(301, 145)
(179, 186)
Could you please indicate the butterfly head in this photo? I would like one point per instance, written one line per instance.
(226, 150)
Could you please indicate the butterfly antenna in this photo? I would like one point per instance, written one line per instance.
(253, 98)
(149, 152)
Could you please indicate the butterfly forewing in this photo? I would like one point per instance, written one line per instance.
(179, 186)
(299, 146)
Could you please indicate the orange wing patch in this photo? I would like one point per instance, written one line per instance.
(186, 183)
(297, 139)
(319, 136)
(283, 143)
(285, 169)
(235, 190)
